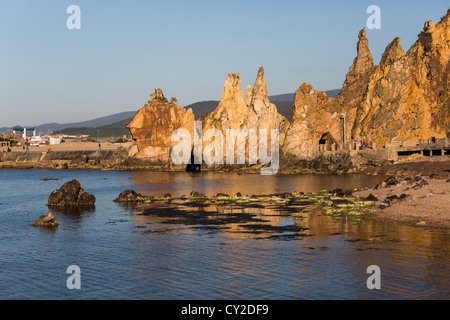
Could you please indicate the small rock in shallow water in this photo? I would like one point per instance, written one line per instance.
(128, 196)
(196, 194)
(46, 221)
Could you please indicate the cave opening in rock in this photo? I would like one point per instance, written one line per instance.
(327, 142)
(327, 138)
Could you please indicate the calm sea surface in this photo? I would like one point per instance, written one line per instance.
(190, 251)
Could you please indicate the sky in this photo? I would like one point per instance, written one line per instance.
(126, 49)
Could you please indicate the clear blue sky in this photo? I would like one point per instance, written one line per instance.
(126, 49)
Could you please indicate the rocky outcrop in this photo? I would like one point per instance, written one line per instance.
(71, 194)
(153, 125)
(405, 97)
(356, 82)
(254, 112)
(408, 94)
(129, 196)
(318, 121)
(46, 221)
(315, 117)
(158, 96)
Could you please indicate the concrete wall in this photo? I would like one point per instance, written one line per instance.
(56, 158)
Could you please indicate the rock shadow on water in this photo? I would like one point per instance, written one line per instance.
(129, 206)
(73, 214)
(211, 218)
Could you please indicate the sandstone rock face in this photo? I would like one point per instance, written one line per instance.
(318, 121)
(314, 116)
(153, 125)
(71, 195)
(405, 97)
(254, 112)
(158, 96)
(408, 94)
(356, 82)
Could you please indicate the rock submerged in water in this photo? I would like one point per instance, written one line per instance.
(46, 221)
(197, 195)
(71, 194)
(129, 196)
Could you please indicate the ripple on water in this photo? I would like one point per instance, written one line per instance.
(193, 251)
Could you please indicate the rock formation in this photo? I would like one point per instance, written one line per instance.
(153, 125)
(318, 121)
(408, 94)
(356, 82)
(405, 97)
(71, 194)
(129, 196)
(315, 117)
(46, 221)
(254, 112)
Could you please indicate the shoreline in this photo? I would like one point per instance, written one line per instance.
(407, 197)
(416, 192)
(420, 202)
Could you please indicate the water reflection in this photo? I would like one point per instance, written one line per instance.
(208, 250)
(211, 183)
(318, 249)
(72, 216)
(265, 218)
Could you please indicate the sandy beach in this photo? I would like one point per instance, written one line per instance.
(427, 205)
(418, 192)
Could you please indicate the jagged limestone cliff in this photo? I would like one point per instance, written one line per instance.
(254, 112)
(314, 116)
(405, 97)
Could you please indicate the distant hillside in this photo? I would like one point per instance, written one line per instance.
(282, 97)
(284, 108)
(98, 122)
(290, 96)
(117, 129)
(333, 93)
(282, 101)
(202, 107)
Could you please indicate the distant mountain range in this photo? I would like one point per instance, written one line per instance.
(98, 122)
(283, 102)
(115, 125)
